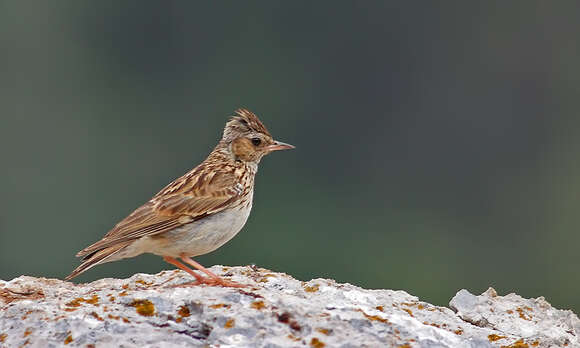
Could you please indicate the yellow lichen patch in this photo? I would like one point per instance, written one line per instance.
(373, 317)
(517, 344)
(293, 338)
(126, 286)
(408, 311)
(116, 317)
(313, 288)
(3, 337)
(75, 303)
(183, 311)
(380, 308)
(522, 314)
(323, 331)
(96, 316)
(220, 305)
(68, 339)
(230, 323)
(420, 307)
(494, 337)
(406, 345)
(112, 298)
(143, 283)
(265, 277)
(458, 332)
(27, 332)
(143, 307)
(124, 293)
(94, 300)
(535, 343)
(316, 343)
(258, 305)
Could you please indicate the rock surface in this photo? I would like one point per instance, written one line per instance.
(275, 310)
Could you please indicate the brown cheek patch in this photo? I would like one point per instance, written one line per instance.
(242, 148)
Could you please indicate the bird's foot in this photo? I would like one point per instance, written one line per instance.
(212, 282)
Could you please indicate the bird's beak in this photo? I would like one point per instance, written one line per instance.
(278, 145)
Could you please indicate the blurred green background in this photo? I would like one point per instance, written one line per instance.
(437, 142)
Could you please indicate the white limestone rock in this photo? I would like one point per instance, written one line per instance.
(275, 310)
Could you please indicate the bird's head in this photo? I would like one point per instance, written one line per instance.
(248, 138)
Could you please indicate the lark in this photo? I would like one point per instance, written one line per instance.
(198, 212)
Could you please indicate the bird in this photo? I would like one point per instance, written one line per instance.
(197, 212)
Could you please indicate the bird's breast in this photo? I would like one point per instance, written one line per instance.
(209, 233)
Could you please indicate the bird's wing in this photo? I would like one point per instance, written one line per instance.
(197, 194)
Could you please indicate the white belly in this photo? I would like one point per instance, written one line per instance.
(196, 238)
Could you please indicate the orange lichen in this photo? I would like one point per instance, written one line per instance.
(230, 323)
(535, 343)
(509, 311)
(494, 337)
(293, 338)
(408, 311)
(126, 286)
(96, 316)
(94, 300)
(220, 305)
(323, 331)
(380, 308)
(313, 288)
(124, 293)
(258, 305)
(522, 314)
(27, 332)
(316, 343)
(3, 337)
(458, 332)
(265, 277)
(68, 339)
(420, 306)
(406, 345)
(517, 344)
(143, 307)
(373, 317)
(183, 311)
(125, 320)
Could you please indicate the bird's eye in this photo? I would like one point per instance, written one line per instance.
(256, 141)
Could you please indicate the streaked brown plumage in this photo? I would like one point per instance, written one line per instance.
(198, 212)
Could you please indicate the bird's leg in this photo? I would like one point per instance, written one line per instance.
(213, 279)
(171, 260)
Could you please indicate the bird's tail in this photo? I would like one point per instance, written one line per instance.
(96, 258)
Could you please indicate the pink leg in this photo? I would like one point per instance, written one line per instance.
(183, 267)
(213, 278)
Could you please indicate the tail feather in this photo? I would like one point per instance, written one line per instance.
(96, 258)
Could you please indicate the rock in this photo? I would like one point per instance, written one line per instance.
(275, 310)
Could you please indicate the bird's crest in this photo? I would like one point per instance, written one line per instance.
(243, 122)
